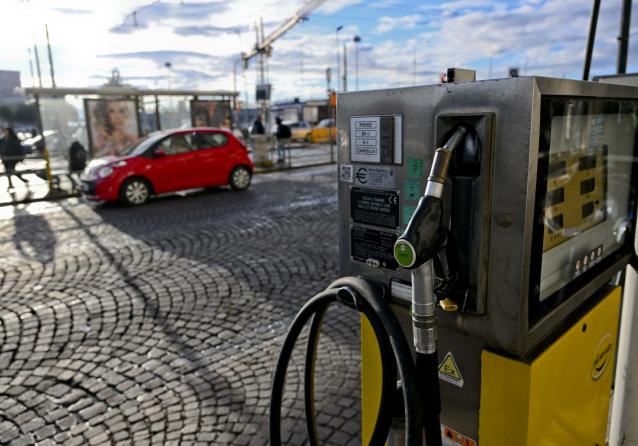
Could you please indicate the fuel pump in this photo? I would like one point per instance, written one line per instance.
(489, 222)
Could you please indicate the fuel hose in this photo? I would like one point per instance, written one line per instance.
(367, 299)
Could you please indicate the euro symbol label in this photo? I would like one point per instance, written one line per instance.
(362, 175)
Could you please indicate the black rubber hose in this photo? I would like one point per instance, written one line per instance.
(411, 389)
(427, 368)
(318, 303)
(309, 377)
(368, 300)
(389, 373)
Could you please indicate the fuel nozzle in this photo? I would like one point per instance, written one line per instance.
(425, 234)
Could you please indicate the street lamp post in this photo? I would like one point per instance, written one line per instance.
(168, 66)
(356, 41)
(345, 68)
(235, 82)
(339, 28)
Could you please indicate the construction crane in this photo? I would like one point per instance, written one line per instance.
(263, 46)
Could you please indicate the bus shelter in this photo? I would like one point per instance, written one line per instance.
(105, 120)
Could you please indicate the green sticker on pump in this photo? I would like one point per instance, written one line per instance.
(407, 215)
(412, 189)
(415, 167)
(404, 253)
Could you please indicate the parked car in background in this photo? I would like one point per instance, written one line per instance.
(168, 161)
(300, 130)
(323, 132)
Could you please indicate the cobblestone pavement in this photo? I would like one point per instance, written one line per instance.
(161, 324)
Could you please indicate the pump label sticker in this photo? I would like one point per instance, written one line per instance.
(365, 139)
(371, 176)
(408, 211)
(412, 189)
(449, 371)
(373, 247)
(345, 173)
(415, 168)
(375, 207)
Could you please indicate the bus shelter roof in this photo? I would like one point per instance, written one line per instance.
(125, 91)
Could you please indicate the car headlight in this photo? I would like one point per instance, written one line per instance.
(105, 171)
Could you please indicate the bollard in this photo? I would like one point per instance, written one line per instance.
(48, 168)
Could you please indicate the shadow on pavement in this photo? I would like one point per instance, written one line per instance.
(33, 237)
(153, 310)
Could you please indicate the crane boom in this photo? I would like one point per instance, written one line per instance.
(265, 45)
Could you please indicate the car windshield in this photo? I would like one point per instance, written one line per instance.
(325, 123)
(143, 144)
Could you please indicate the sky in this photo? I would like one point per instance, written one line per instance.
(402, 43)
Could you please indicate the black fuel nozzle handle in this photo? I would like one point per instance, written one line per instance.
(425, 234)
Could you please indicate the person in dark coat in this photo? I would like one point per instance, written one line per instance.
(77, 157)
(258, 127)
(11, 154)
(283, 136)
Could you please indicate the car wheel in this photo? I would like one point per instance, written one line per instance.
(240, 178)
(135, 191)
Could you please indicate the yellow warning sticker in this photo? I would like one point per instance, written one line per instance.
(454, 438)
(449, 371)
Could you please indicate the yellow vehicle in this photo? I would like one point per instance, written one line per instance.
(300, 130)
(323, 132)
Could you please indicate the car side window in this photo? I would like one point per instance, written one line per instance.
(208, 140)
(176, 144)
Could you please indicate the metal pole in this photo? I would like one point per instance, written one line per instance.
(45, 153)
(37, 64)
(345, 68)
(339, 28)
(623, 38)
(35, 47)
(356, 40)
(260, 39)
(334, 118)
(157, 113)
(235, 75)
(31, 68)
(590, 40)
(46, 30)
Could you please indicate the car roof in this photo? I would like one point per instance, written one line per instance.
(199, 129)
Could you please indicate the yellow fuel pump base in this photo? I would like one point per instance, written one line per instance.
(560, 396)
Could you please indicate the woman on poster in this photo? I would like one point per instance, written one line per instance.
(113, 125)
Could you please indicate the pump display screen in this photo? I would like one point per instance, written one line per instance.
(585, 191)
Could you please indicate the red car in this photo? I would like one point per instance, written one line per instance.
(167, 161)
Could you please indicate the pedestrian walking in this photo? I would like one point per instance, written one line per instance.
(11, 154)
(258, 127)
(283, 136)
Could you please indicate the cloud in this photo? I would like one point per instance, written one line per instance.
(72, 11)
(208, 30)
(159, 13)
(388, 24)
(160, 58)
(333, 6)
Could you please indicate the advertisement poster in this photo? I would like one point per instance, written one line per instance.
(209, 113)
(112, 125)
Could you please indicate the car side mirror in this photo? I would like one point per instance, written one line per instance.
(159, 153)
